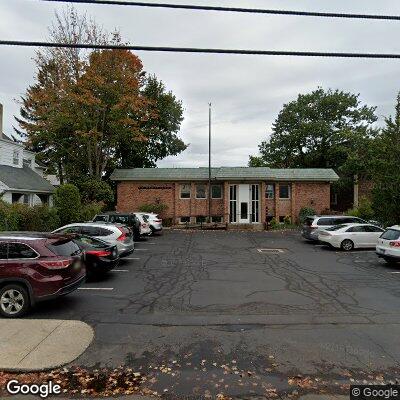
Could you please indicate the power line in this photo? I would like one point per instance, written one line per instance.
(199, 50)
(232, 9)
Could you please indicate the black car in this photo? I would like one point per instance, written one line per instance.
(128, 219)
(98, 256)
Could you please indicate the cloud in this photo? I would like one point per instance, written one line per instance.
(247, 92)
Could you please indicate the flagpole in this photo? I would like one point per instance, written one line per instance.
(209, 162)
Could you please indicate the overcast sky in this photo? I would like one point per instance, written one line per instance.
(247, 92)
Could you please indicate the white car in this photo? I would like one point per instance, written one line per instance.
(153, 220)
(388, 246)
(144, 224)
(115, 234)
(350, 236)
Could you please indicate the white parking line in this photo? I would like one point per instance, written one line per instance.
(95, 288)
(120, 270)
(141, 249)
(131, 258)
(270, 250)
(394, 272)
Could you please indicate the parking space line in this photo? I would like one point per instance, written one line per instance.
(270, 250)
(95, 288)
(141, 249)
(393, 272)
(120, 270)
(130, 258)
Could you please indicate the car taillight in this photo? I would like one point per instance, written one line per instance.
(56, 264)
(394, 244)
(99, 253)
(158, 220)
(122, 237)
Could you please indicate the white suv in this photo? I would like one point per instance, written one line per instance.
(154, 221)
(388, 246)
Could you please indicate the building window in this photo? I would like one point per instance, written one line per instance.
(16, 157)
(201, 192)
(216, 219)
(254, 203)
(216, 191)
(233, 203)
(200, 219)
(334, 199)
(270, 191)
(16, 197)
(184, 220)
(26, 199)
(27, 163)
(284, 191)
(185, 191)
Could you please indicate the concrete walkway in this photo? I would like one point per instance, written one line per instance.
(35, 345)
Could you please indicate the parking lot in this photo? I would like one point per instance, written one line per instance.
(240, 312)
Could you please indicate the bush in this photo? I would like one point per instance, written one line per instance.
(274, 224)
(157, 208)
(287, 220)
(68, 203)
(89, 210)
(364, 210)
(304, 213)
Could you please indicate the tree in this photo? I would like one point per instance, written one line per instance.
(322, 129)
(68, 203)
(90, 112)
(385, 165)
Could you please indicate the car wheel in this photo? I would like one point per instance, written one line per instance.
(14, 301)
(347, 245)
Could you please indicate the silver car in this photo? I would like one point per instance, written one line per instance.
(314, 224)
(116, 234)
(154, 221)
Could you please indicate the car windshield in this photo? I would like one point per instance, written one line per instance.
(391, 234)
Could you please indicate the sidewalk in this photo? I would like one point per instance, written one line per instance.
(35, 345)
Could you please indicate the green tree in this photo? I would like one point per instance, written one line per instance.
(322, 129)
(385, 165)
(68, 203)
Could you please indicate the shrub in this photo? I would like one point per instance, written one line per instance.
(88, 211)
(40, 218)
(304, 213)
(364, 210)
(68, 202)
(287, 220)
(274, 224)
(157, 208)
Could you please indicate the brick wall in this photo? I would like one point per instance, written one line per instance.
(131, 195)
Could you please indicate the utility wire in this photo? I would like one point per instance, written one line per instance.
(232, 9)
(199, 50)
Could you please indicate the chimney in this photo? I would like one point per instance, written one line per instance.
(1, 120)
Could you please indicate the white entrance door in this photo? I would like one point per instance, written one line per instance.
(244, 204)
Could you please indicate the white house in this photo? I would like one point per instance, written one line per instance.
(21, 177)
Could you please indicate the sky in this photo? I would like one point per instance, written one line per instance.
(246, 92)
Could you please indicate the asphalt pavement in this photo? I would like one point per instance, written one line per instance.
(241, 313)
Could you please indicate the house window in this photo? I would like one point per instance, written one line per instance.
(216, 191)
(216, 219)
(284, 191)
(26, 199)
(16, 157)
(270, 191)
(184, 220)
(185, 191)
(16, 197)
(201, 191)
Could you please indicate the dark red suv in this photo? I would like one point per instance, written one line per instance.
(36, 267)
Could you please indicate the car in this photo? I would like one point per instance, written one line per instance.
(128, 219)
(351, 236)
(99, 256)
(35, 267)
(314, 224)
(114, 234)
(154, 221)
(388, 246)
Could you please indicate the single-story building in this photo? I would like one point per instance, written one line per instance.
(238, 195)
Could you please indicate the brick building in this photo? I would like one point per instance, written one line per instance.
(241, 195)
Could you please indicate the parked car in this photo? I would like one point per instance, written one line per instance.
(128, 219)
(388, 246)
(313, 225)
(99, 256)
(114, 234)
(350, 236)
(154, 221)
(36, 267)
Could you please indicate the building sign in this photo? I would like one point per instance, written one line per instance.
(155, 187)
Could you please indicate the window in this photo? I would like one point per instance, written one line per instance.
(27, 163)
(270, 191)
(216, 191)
(254, 203)
(20, 250)
(102, 232)
(372, 228)
(357, 229)
(16, 157)
(100, 218)
(201, 191)
(391, 234)
(334, 199)
(184, 220)
(71, 229)
(26, 199)
(16, 197)
(233, 203)
(216, 219)
(200, 219)
(327, 222)
(64, 248)
(3, 251)
(90, 230)
(185, 191)
(284, 191)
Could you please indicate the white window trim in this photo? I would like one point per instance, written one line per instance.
(290, 192)
(216, 198)
(205, 187)
(180, 191)
(273, 191)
